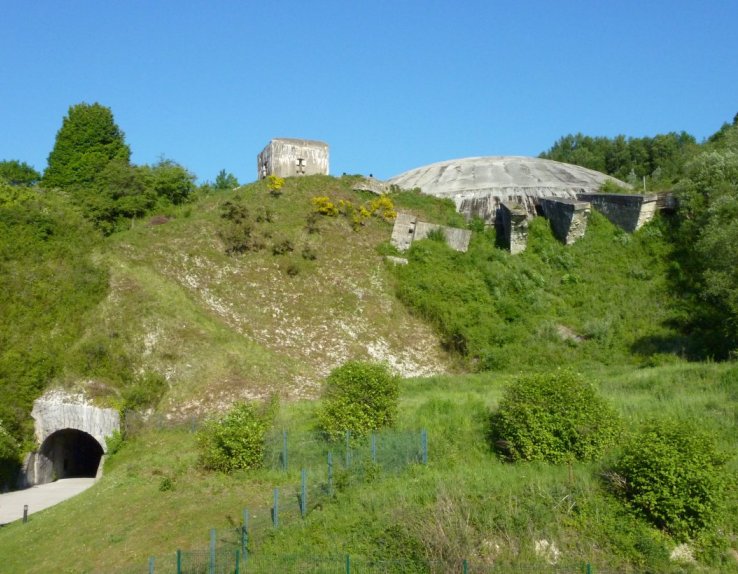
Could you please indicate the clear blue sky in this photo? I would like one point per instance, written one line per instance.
(390, 85)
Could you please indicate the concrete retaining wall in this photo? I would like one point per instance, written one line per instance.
(408, 228)
(629, 212)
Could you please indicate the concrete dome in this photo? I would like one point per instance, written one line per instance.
(478, 185)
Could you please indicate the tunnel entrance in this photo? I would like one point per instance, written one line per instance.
(69, 453)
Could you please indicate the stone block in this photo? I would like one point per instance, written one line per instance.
(512, 225)
(568, 217)
(408, 228)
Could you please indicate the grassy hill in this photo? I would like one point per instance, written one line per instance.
(186, 328)
(220, 327)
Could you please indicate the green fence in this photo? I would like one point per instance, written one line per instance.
(227, 561)
(314, 471)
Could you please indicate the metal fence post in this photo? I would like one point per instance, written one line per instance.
(151, 565)
(589, 568)
(245, 534)
(374, 447)
(465, 566)
(424, 445)
(238, 561)
(348, 564)
(25, 513)
(211, 565)
(275, 509)
(284, 449)
(179, 561)
(330, 473)
(303, 494)
(348, 448)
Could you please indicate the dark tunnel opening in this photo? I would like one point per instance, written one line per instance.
(72, 454)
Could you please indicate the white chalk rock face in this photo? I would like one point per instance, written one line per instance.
(478, 185)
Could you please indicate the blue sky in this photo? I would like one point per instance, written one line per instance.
(390, 85)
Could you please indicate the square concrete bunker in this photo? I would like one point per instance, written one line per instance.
(288, 157)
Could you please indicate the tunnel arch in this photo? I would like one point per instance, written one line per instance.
(74, 452)
(68, 453)
(67, 428)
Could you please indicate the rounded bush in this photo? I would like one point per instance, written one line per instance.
(236, 441)
(671, 472)
(359, 397)
(555, 417)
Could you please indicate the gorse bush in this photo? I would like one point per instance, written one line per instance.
(236, 441)
(275, 184)
(671, 473)
(359, 397)
(555, 417)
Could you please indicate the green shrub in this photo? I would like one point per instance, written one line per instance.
(556, 417)
(114, 442)
(9, 457)
(236, 441)
(145, 391)
(359, 397)
(670, 472)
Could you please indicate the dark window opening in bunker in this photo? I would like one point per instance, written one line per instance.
(72, 453)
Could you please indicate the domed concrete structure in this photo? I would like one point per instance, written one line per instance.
(478, 185)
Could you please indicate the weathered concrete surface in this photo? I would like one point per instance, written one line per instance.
(629, 212)
(479, 185)
(57, 410)
(568, 218)
(287, 157)
(403, 231)
(40, 497)
(71, 435)
(512, 224)
(372, 185)
(408, 228)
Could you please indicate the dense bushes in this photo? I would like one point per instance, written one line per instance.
(48, 283)
(359, 397)
(671, 473)
(498, 311)
(236, 441)
(9, 458)
(555, 417)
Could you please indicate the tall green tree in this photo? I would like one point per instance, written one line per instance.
(86, 143)
(707, 238)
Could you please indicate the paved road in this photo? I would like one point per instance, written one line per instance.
(40, 497)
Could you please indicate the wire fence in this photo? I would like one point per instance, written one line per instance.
(227, 561)
(315, 471)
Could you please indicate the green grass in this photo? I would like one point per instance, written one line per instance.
(465, 504)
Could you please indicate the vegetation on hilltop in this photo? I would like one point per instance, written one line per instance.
(659, 159)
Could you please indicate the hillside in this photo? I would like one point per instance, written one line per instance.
(244, 294)
(221, 327)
